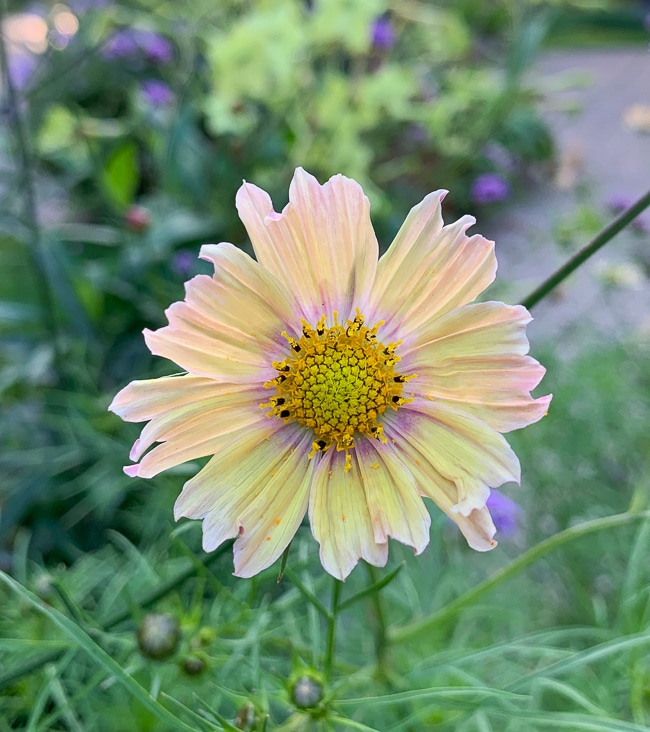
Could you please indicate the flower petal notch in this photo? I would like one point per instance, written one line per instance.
(323, 381)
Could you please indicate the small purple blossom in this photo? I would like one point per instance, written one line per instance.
(646, 22)
(619, 202)
(642, 224)
(156, 47)
(383, 33)
(156, 93)
(131, 43)
(489, 188)
(183, 262)
(21, 68)
(506, 514)
(83, 6)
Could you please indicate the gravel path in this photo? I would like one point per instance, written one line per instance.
(600, 154)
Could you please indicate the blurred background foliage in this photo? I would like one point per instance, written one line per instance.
(127, 128)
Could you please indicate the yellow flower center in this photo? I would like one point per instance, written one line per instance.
(337, 381)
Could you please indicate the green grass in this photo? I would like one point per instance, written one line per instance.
(552, 639)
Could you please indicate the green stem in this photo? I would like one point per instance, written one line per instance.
(30, 210)
(151, 598)
(331, 627)
(606, 235)
(400, 635)
(381, 644)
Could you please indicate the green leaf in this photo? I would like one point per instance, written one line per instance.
(120, 176)
(98, 654)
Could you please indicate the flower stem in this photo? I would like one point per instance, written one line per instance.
(381, 644)
(331, 627)
(27, 187)
(599, 241)
(410, 631)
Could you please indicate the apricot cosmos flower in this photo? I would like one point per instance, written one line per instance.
(322, 380)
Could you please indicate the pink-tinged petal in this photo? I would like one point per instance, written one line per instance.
(474, 358)
(322, 247)
(394, 503)
(202, 437)
(461, 448)
(477, 526)
(429, 269)
(189, 414)
(271, 519)
(254, 489)
(229, 326)
(339, 516)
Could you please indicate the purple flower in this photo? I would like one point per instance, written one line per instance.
(489, 188)
(642, 224)
(131, 43)
(619, 202)
(21, 68)
(156, 93)
(506, 514)
(383, 33)
(646, 22)
(83, 6)
(183, 262)
(157, 48)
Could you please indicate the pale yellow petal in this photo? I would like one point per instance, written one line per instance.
(205, 434)
(229, 327)
(322, 247)
(185, 408)
(474, 358)
(394, 503)
(429, 269)
(270, 520)
(339, 516)
(254, 489)
(462, 449)
(477, 526)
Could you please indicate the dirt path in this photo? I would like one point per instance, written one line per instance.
(603, 157)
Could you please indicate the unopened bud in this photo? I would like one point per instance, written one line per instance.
(245, 718)
(158, 636)
(193, 665)
(307, 692)
(137, 219)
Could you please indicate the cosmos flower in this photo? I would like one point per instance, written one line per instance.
(324, 381)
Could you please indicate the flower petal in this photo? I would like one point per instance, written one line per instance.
(474, 358)
(477, 525)
(189, 414)
(256, 489)
(394, 503)
(229, 326)
(460, 447)
(429, 269)
(322, 246)
(339, 516)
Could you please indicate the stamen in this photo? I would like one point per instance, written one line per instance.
(338, 381)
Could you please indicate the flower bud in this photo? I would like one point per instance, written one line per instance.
(245, 718)
(194, 665)
(137, 219)
(158, 636)
(307, 691)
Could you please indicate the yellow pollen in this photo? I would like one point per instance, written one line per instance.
(338, 381)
